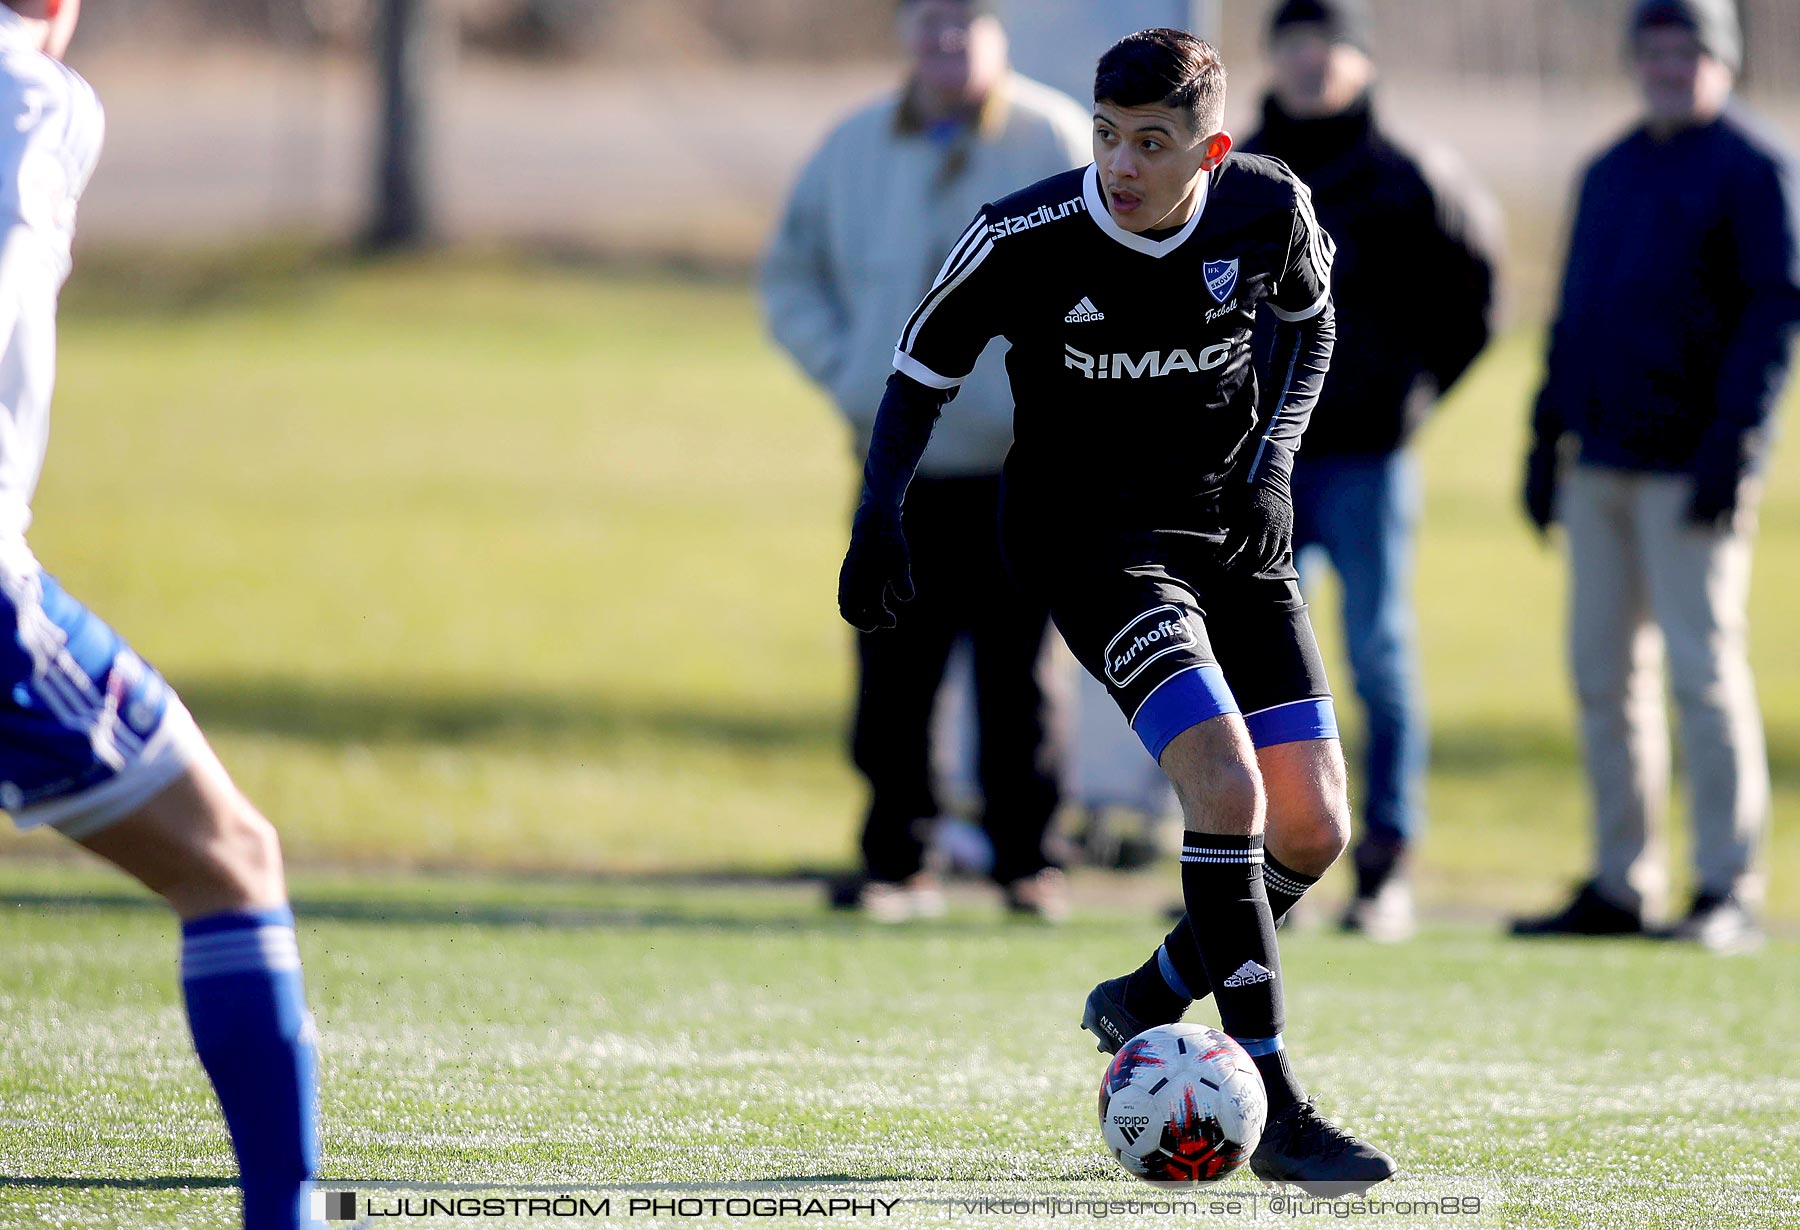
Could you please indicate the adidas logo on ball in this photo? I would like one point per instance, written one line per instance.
(1131, 1126)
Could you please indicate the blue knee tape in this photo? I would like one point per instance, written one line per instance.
(1179, 702)
(1295, 722)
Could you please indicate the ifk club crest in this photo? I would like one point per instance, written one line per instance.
(1221, 278)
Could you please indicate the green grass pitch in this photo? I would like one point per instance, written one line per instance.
(610, 1037)
(507, 593)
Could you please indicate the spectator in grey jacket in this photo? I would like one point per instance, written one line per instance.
(872, 217)
(1668, 359)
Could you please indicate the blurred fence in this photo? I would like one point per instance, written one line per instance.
(682, 30)
(671, 128)
(1547, 40)
(1553, 41)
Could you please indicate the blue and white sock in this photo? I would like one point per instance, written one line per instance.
(240, 973)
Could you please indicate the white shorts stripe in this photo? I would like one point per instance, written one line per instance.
(176, 744)
(1286, 704)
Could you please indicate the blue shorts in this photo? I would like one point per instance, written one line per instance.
(89, 731)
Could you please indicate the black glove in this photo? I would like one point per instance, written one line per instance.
(1717, 481)
(1540, 486)
(876, 568)
(1259, 523)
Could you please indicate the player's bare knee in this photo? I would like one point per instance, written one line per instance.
(1220, 794)
(1309, 806)
(234, 861)
(1311, 840)
(1314, 822)
(250, 852)
(1329, 816)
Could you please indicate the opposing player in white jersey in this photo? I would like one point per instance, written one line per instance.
(92, 741)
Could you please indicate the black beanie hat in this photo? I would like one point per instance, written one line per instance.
(1346, 21)
(1714, 22)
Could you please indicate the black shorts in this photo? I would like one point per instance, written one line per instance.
(1175, 638)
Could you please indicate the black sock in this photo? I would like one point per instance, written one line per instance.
(1151, 996)
(1277, 1076)
(1376, 860)
(1228, 905)
(1284, 887)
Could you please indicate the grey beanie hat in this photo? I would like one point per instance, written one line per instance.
(1714, 22)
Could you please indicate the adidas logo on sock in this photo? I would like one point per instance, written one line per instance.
(1084, 313)
(1248, 975)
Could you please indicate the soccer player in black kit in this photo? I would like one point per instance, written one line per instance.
(1146, 502)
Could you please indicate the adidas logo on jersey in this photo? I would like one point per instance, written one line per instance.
(1084, 313)
(1248, 975)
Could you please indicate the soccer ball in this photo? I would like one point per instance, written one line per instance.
(1182, 1104)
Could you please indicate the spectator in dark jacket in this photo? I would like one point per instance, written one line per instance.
(1668, 358)
(1395, 214)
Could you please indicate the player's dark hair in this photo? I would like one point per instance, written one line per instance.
(1170, 68)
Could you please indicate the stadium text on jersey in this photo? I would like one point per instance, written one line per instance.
(1037, 217)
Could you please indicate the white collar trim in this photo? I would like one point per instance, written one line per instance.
(1102, 216)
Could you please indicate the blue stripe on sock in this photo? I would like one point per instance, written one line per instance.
(1170, 974)
(1296, 722)
(1180, 702)
(1260, 1046)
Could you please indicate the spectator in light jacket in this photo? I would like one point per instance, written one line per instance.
(873, 215)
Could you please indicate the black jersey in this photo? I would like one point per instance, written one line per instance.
(1131, 361)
